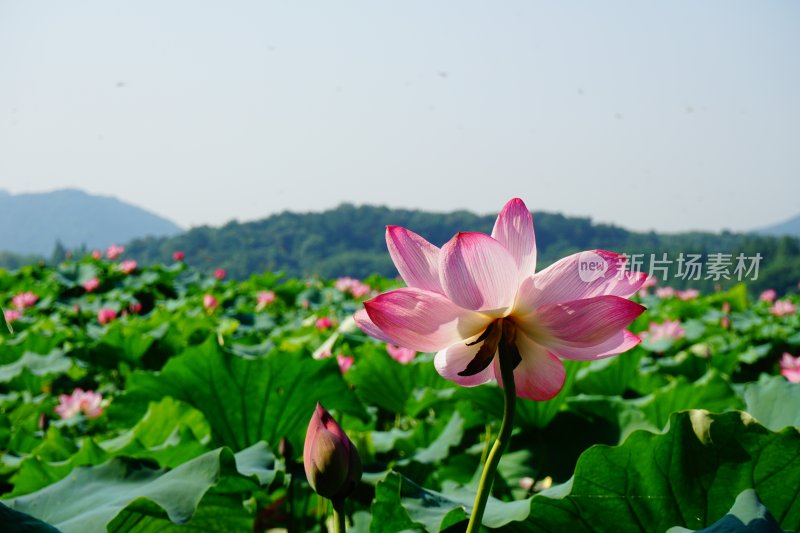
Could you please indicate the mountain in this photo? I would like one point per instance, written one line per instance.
(33, 223)
(789, 227)
(349, 241)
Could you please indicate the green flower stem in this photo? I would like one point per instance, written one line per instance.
(509, 405)
(339, 525)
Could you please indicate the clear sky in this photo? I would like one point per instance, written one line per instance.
(669, 115)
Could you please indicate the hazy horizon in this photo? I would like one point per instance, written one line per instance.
(670, 116)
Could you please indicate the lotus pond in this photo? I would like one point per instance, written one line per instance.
(159, 399)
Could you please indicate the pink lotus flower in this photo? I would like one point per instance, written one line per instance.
(263, 299)
(783, 308)
(24, 300)
(359, 290)
(97, 254)
(88, 402)
(790, 367)
(323, 323)
(219, 274)
(135, 307)
(401, 355)
(11, 315)
(91, 284)
(127, 266)
(343, 284)
(768, 296)
(355, 287)
(209, 302)
(106, 315)
(345, 362)
(688, 294)
(114, 251)
(177, 255)
(665, 292)
(670, 329)
(477, 290)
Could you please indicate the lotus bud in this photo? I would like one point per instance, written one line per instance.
(331, 460)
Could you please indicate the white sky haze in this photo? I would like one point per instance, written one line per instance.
(652, 115)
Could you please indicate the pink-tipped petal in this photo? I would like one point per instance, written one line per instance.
(539, 376)
(514, 230)
(588, 322)
(422, 320)
(454, 359)
(416, 259)
(364, 322)
(564, 281)
(618, 343)
(478, 273)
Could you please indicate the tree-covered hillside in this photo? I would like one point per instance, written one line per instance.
(349, 241)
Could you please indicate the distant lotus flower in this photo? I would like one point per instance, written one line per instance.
(688, 294)
(665, 292)
(209, 302)
(355, 287)
(114, 251)
(726, 307)
(97, 254)
(11, 315)
(345, 362)
(91, 284)
(790, 367)
(219, 274)
(135, 307)
(127, 266)
(359, 290)
(768, 296)
(106, 315)
(343, 284)
(782, 308)
(178, 255)
(330, 459)
(24, 300)
(670, 329)
(264, 298)
(399, 354)
(725, 322)
(323, 323)
(88, 402)
(464, 299)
